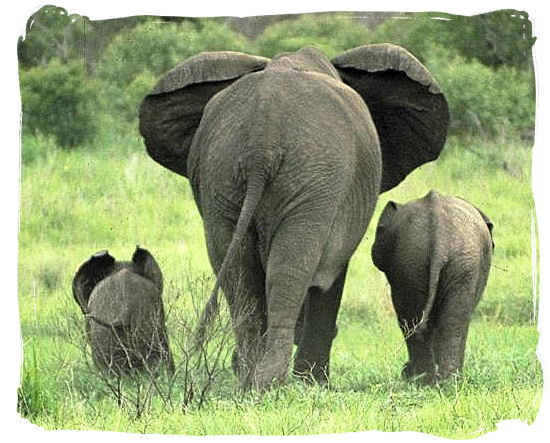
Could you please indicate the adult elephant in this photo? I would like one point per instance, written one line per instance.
(286, 159)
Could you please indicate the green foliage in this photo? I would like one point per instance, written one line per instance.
(331, 33)
(131, 97)
(484, 101)
(495, 39)
(51, 33)
(136, 57)
(32, 398)
(58, 100)
(499, 38)
(82, 201)
(416, 32)
(34, 147)
(485, 69)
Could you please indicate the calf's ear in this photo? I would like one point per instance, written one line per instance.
(489, 224)
(146, 265)
(89, 274)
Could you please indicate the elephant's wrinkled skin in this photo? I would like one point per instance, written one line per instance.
(436, 253)
(123, 310)
(286, 158)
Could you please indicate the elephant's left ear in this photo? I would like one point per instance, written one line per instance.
(170, 114)
(89, 274)
(409, 110)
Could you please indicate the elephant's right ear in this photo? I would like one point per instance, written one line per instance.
(170, 114)
(90, 273)
(387, 214)
(146, 265)
(409, 110)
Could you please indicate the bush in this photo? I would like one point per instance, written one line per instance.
(138, 88)
(136, 58)
(58, 100)
(52, 33)
(330, 33)
(489, 85)
(417, 33)
(484, 101)
(498, 38)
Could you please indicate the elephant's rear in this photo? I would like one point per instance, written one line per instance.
(126, 324)
(432, 247)
(313, 138)
(470, 233)
(460, 250)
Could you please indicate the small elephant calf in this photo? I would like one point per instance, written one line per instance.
(436, 253)
(123, 310)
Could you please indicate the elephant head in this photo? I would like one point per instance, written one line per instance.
(407, 106)
(123, 310)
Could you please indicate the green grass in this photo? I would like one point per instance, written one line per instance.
(74, 203)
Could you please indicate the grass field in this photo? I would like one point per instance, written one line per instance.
(74, 203)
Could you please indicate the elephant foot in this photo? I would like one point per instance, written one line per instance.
(244, 367)
(311, 373)
(443, 374)
(269, 375)
(407, 371)
(264, 381)
(420, 376)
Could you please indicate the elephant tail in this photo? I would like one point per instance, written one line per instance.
(257, 169)
(433, 283)
(435, 256)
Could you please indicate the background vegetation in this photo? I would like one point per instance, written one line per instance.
(87, 184)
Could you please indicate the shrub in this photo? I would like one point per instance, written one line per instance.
(138, 88)
(417, 32)
(496, 39)
(52, 33)
(58, 100)
(137, 57)
(330, 33)
(484, 101)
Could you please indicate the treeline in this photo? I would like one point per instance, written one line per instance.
(83, 79)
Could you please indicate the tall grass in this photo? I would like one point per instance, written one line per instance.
(74, 203)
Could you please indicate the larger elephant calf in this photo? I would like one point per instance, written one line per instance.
(436, 253)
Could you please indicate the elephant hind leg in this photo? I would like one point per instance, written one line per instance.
(449, 346)
(285, 297)
(244, 289)
(421, 362)
(291, 264)
(409, 306)
(320, 313)
(452, 331)
(248, 313)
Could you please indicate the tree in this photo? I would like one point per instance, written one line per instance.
(52, 33)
